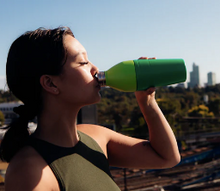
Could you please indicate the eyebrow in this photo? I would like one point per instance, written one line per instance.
(84, 53)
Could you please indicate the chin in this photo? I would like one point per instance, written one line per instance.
(98, 99)
(95, 100)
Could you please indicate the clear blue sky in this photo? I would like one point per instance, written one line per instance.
(118, 30)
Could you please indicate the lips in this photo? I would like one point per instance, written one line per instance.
(98, 85)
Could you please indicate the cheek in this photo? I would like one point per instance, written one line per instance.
(86, 74)
(84, 77)
(79, 80)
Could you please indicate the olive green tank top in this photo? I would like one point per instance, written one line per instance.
(83, 167)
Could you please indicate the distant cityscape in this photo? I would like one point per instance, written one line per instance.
(195, 79)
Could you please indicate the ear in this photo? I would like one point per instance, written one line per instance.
(48, 85)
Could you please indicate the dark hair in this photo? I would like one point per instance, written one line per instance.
(32, 55)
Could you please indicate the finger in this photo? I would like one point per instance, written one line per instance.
(147, 58)
(150, 90)
(143, 58)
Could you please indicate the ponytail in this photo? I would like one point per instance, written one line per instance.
(17, 134)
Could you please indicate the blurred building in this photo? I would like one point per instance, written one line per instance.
(7, 109)
(194, 77)
(211, 79)
(87, 114)
(181, 85)
(206, 99)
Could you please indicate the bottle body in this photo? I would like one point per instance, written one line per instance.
(136, 75)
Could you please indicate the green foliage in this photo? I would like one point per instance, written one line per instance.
(7, 96)
(2, 118)
(176, 103)
(200, 111)
(171, 109)
(169, 106)
(214, 106)
(116, 107)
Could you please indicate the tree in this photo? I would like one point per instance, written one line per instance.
(191, 99)
(7, 96)
(121, 108)
(214, 106)
(200, 111)
(2, 119)
(115, 108)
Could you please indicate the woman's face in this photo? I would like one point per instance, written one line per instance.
(77, 83)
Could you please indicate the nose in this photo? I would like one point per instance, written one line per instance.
(94, 70)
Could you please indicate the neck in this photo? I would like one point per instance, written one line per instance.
(58, 126)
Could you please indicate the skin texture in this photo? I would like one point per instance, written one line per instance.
(74, 88)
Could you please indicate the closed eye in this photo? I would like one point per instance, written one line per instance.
(84, 63)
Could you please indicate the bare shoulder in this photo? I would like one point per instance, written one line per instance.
(121, 150)
(103, 133)
(92, 129)
(28, 171)
(99, 133)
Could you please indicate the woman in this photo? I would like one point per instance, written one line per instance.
(50, 72)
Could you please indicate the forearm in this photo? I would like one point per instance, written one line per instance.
(161, 136)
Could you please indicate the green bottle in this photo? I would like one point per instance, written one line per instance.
(136, 75)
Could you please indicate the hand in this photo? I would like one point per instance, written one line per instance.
(146, 58)
(146, 96)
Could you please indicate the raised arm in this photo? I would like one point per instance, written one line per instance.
(161, 136)
(160, 151)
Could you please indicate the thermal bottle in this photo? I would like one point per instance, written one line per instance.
(136, 75)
